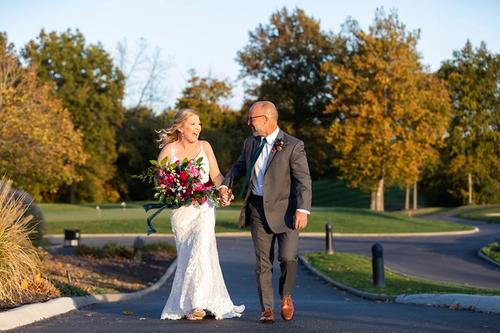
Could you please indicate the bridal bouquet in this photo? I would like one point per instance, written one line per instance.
(176, 185)
(179, 184)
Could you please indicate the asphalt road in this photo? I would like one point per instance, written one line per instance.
(451, 258)
(319, 308)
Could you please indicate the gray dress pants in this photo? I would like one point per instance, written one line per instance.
(264, 240)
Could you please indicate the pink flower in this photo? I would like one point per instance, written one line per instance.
(194, 172)
(199, 187)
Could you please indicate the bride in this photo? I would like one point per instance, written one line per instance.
(198, 285)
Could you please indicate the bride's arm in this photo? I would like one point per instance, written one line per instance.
(215, 173)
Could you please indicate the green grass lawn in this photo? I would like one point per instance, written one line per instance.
(490, 213)
(335, 193)
(111, 218)
(356, 271)
(492, 251)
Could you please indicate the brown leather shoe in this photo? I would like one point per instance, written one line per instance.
(287, 308)
(267, 317)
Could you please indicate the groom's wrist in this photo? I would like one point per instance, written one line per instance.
(304, 211)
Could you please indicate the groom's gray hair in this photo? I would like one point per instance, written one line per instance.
(268, 108)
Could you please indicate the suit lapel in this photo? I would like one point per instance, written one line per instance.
(280, 135)
(253, 147)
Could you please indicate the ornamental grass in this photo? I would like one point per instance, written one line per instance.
(20, 265)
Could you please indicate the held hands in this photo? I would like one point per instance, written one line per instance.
(225, 196)
(299, 220)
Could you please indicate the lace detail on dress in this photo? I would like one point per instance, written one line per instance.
(198, 281)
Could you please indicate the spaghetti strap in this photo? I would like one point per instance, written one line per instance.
(202, 153)
(172, 155)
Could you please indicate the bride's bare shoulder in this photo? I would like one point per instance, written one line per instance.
(206, 145)
(165, 151)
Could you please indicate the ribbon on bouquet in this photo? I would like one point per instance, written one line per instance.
(159, 207)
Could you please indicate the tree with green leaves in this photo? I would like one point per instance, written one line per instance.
(391, 113)
(39, 146)
(222, 127)
(206, 95)
(91, 88)
(284, 58)
(472, 154)
(137, 145)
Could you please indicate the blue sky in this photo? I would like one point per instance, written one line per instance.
(206, 35)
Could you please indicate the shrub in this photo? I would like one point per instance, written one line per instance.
(20, 265)
(493, 251)
(159, 247)
(124, 251)
(109, 250)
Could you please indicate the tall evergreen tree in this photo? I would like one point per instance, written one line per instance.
(91, 88)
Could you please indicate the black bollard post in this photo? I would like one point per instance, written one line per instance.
(329, 238)
(138, 247)
(378, 266)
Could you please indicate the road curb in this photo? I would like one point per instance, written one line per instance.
(480, 303)
(31, 313)
(356, 292)
(302, 234)
(485, 257)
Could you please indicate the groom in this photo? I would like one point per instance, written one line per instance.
(277, 201)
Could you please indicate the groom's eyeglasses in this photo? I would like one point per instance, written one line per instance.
(249, 119)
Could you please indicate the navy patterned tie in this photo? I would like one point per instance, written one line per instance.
(255, 156)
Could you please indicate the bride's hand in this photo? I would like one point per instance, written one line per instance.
(225, 196)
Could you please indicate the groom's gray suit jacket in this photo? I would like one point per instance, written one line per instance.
(287, 183)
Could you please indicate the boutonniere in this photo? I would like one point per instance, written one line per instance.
(278, 145)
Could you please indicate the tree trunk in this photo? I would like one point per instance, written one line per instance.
(407, 198)
(372, 200)
(415, 206)
(379, 197)
(72, 194)
(470, 189)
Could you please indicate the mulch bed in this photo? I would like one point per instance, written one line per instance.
(112, 274)
(83, 275)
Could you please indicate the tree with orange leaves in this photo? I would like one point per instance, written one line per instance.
(39, 147)
(391, 112)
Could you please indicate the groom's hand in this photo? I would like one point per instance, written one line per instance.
(299, 220)
(225, 196)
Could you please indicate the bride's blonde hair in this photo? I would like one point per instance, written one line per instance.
(171, 134)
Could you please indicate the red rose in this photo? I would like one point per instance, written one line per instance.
(183, 177)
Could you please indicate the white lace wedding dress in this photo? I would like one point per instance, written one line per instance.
(198, 281)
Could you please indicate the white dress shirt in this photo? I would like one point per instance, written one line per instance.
(260, 166)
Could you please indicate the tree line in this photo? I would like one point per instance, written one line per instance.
(369, 111)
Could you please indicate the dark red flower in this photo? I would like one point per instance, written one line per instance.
(183, 177)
